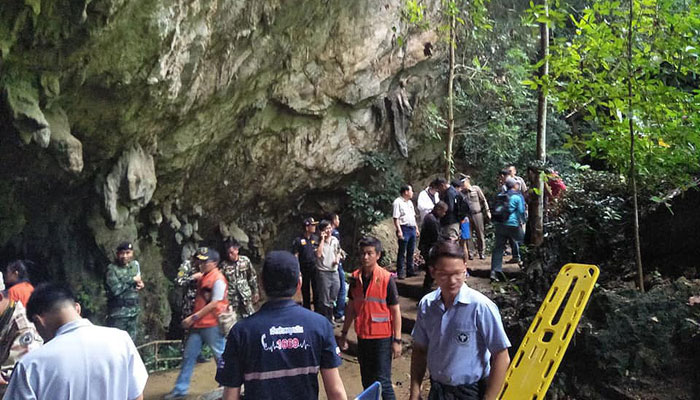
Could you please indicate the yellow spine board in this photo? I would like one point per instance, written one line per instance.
(541, 351)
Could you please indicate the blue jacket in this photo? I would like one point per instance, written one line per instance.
(516, 206)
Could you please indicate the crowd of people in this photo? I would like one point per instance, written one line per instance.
(279, 350)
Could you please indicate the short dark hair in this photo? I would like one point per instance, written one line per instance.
(441, 205)
(280, 274)
(370, 241)
(446, 249)
(437, 182)
(504, 172)
(20, 267)
(456, 182)
(49, 297)
(404, 189)
(331, 216)
(231, 243)
(323, 224)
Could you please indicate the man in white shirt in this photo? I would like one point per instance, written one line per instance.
(406, 231)
(428, 197)
(79, 360)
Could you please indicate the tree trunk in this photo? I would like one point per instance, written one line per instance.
(632, 172)
(450, 103)
(537, 202)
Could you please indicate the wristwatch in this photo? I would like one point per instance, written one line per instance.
(397, 340)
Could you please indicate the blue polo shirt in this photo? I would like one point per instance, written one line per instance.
(278, 351)
(459, 340)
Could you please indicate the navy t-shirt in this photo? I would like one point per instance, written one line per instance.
(278, 351)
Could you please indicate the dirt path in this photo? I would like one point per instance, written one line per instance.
(161, 383)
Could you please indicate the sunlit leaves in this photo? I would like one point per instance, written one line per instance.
(589, 82)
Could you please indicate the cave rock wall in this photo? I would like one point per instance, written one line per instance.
(177, 122)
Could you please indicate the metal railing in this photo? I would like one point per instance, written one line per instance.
(156, 353)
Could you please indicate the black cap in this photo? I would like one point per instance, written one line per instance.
(310, 221)
(125, 246)
(280, 274)
(207, 254)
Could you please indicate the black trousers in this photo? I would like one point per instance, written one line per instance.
(308, 284)
(439, 391)
(374, 356)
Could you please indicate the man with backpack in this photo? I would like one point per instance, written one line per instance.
(457, 210)
(508, 214)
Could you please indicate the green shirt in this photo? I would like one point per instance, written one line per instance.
(122, 296)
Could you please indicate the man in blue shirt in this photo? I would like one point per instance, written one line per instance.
(458, 335)
(278, 351)
(509, 230)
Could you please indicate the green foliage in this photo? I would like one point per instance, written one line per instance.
(370, 200)
(590, 224)
(433, 122)
(165, 351)
(589, 81)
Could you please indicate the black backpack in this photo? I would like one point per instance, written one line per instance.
(501, 208)
(461, 207)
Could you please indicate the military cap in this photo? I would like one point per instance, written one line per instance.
(207, 254)
(310, 221)
(125, 246)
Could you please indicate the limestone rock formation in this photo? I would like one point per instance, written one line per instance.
(231, 111)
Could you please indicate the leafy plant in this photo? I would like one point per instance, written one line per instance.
(370, 200)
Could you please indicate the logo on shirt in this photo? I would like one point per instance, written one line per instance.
(283, 344)
(303, 242)
(463, 337)
(286, 330)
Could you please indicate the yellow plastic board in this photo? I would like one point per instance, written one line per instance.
(537, 360)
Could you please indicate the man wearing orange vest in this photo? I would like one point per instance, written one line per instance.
(203, 323)
(374, 307)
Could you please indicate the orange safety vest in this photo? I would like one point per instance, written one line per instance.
(372, 315)
(205, 286)
(21, 292)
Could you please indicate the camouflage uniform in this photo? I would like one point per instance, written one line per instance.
(123, 298)
(17, 336)
(242, 284)
(184, 280)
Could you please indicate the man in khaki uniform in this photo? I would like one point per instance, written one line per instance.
(17, 335)
(478, 208)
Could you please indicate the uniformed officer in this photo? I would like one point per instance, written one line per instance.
(478, 212)
(278, 352)
(17, 335)
(122, 285)
(242, 279)
(458, 335)
(187, 276)
(304, 248)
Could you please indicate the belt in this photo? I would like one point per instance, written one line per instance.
(119, 302)
(471, 391)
